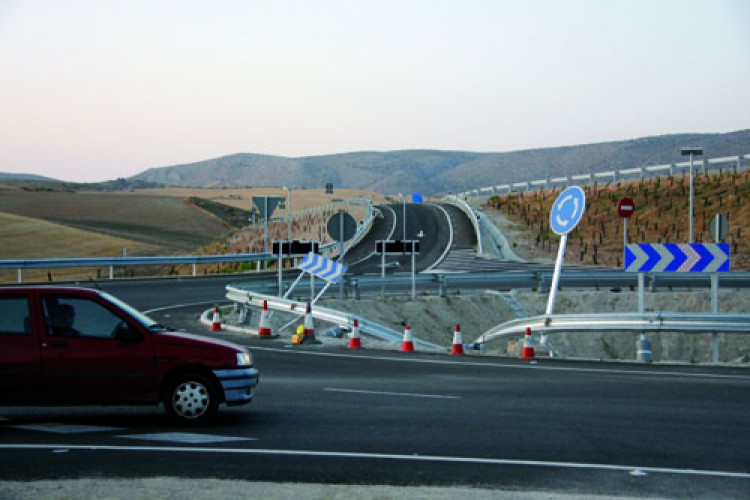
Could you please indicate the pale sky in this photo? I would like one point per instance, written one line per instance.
(94, 90)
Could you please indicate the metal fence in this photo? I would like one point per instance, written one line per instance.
(609, 176)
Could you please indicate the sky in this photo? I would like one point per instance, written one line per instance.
(95, 90)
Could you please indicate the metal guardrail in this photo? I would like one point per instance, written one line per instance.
(614, 175)
(654, 322)
(112, 262)
(255, 299)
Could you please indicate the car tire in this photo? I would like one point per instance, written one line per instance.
(191, 399)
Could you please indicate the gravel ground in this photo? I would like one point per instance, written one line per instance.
(171, 488)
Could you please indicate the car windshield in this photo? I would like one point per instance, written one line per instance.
(135, 313)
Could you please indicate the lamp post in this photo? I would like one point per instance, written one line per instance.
(403, 205)
(691, 152)
(289, 214)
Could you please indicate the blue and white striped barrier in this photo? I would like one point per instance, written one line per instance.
(322, 267)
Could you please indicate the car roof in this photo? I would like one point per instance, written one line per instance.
(46, 288)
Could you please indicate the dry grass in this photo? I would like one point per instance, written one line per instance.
(27, 238)
(162, 221)
(243, 198)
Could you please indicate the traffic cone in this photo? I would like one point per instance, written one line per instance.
(408, 344)
(354, 341)
(528, 350)
(216, 321)
(264, 329)
(458, 344)
(309, 324)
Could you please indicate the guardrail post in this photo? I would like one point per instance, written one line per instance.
(355, 286)
(442, 284)
(20, 275)
(111, 272)
(543, 283)
(243, 318)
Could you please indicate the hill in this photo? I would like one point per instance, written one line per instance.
(433, 171)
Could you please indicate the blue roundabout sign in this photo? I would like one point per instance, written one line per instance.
(567, 210)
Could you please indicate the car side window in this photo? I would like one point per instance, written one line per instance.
(15, 317)
(79, 317)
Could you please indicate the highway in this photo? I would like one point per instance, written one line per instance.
(375, 417)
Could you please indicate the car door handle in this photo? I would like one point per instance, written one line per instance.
(58, 343)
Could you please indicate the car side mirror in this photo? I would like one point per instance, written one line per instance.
(124, 333)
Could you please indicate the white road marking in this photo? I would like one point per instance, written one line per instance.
(453, 362)
(185, 437)
(385, 393)
(65, 428)
(179, 306)
(450, 239)
(387, 456)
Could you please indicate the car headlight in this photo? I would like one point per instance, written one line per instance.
(244, 359)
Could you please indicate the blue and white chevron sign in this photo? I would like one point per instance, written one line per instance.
(677, 258)
(322, 267)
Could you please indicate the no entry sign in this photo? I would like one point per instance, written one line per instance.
(625, 208)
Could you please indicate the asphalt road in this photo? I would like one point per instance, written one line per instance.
(373, 417)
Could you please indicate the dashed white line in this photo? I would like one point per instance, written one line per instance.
(386, 393)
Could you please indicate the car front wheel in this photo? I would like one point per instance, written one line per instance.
(191, 399)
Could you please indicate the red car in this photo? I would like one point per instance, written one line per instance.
(66, 346)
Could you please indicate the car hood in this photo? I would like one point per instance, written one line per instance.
(193, 340)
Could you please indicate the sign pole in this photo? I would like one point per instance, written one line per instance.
(556, 275)
(413, 273)
(566, 213)
(341, 252)
(382, 272)
(280, 265)
(641, 293)
(265, 225)
(715, 309)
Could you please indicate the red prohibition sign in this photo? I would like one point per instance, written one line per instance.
(625, 208)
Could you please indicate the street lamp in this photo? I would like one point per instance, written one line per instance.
(691, 152)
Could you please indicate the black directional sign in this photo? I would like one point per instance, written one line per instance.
(266, 205)
(294, 247)
(342, 226)
(396, 247)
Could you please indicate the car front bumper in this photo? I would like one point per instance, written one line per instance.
(238, 384)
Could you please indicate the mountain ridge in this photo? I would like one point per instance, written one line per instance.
(439, 171)
(428, 171)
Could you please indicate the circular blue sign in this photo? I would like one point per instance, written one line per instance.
(567, 210)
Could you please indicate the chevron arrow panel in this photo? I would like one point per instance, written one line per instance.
(679, 258)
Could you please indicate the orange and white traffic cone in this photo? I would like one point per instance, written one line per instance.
(408, 344)
(528, 350)
(354, 341)
(309, 324)
(216, 321)
(457, 349)
(264, 329)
